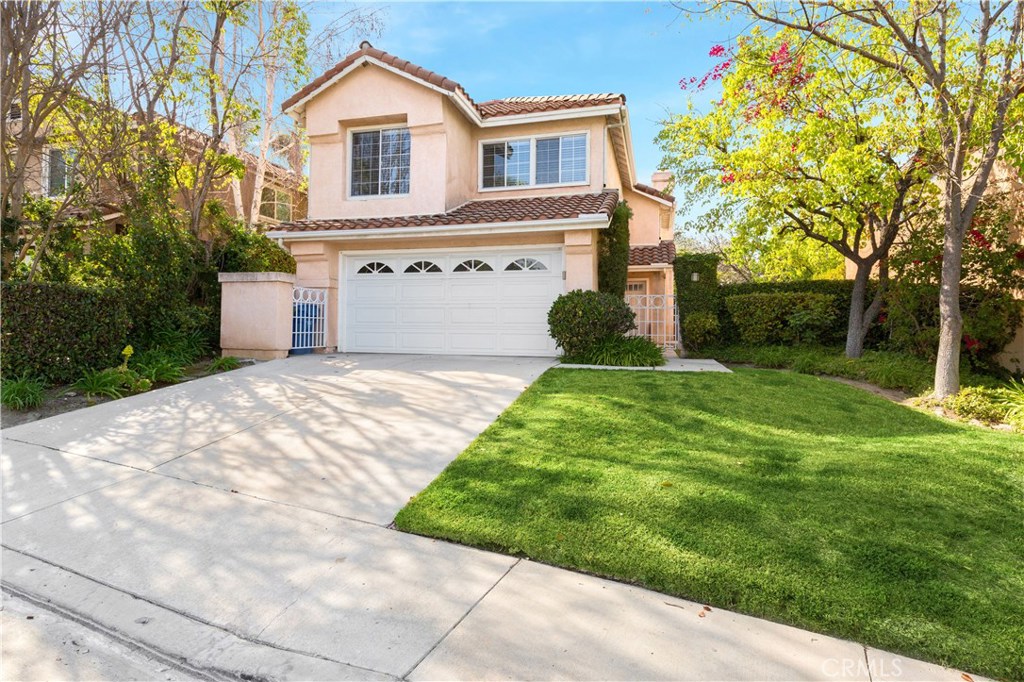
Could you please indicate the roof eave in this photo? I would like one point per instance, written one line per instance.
(587, 221)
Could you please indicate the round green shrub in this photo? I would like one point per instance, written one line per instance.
(579, 320)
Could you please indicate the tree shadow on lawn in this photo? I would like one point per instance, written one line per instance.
(779, 495)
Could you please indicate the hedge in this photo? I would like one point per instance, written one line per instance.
(58, 331)
(839, 290)
(780, 317)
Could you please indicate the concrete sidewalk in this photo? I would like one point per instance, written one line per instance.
(238, 526)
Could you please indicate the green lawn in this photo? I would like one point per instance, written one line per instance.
(780, 495)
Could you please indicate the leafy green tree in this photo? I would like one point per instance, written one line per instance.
(957, 73)
(800, 149)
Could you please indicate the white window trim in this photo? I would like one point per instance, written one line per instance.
(273, 219)
(349, 169)
(533, 160)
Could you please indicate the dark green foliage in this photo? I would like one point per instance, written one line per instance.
(782, 317)
(158, 366)
(621, 351)
(224, 364)
(248, 251)
(58, 331)
(991, 317)
(613, 252)
(182, 345)
(580, 319)
(700, 296)
(21, 393)
(700, 329)
(840, 291)
(157, 267)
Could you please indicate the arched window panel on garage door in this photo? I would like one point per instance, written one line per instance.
(375, 268)
(423, 266)
(520, 264)
(473, 265)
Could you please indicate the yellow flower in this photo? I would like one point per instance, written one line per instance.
(128, 351)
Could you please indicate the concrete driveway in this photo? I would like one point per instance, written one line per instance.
(238, 526)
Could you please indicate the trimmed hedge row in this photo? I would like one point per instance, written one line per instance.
(778, 317)
(838, 291)
(58, 331)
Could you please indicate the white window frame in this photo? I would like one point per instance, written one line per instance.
(533, 160)
(351, 168)
(274, 219)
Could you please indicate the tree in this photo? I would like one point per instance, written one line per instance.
(50, 52)
(800, 144)
(962, 74)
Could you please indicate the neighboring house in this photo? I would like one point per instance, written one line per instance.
(441, 225)
(51, 173)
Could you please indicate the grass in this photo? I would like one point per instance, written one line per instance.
(883, 368)
(780, 495)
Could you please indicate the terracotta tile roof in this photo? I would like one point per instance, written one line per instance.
(368, 50)
(662, 252)
(558, 207)
(532, 105)
(647, 189)
(492, 108)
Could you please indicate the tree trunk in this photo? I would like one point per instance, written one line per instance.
(947, 365)
(856, 330)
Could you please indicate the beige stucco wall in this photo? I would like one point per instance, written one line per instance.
(371, 96)
(256, 314)
(651, 221)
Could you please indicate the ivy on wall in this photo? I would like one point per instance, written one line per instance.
(613, 253)
(697, 283)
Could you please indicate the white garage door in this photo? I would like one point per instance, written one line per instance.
(467, 302)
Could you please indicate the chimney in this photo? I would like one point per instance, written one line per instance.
(660, 180)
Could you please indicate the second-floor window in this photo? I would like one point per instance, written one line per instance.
(380, 162)
(60, 171)
(555, 160)
(276, 204)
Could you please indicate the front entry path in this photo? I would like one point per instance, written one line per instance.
(238, 526)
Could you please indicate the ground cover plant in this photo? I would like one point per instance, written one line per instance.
(781, 495)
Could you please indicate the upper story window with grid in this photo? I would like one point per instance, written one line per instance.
(556, 160)
(276, 204)
(380, 162)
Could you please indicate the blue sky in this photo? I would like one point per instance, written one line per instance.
(498, 49)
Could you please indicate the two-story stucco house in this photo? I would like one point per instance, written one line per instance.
(442, 225)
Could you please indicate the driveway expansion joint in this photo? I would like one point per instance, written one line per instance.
(461, 618)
